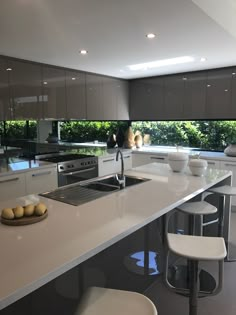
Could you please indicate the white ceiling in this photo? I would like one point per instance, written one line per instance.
(113, 32)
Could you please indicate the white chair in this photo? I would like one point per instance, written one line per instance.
(103, 301)
(195, 249)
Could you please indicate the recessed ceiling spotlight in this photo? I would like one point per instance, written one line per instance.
(203, 59)
(184, 78)
(161, 63)
(9, 69)
(150, 35)
(83, 52)
(208, 85)
(45, 83)
(73, 79)
(233, 73)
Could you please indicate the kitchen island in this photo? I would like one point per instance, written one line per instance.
(33, 255)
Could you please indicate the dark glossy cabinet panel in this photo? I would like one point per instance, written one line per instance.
(6, 111)
(233, 104)
(174, 97)
(25, 89)
(147, 99)
(195, 95)
(75, 94)
(109, 99)
(54, 92)
(122, 96)
(218, 100)
(94, 95)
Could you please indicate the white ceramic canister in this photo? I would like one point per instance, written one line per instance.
(178, 161)
(198, 167)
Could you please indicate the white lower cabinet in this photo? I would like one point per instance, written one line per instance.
(38, 181)
(12, 186)
(139, 159)
(109, 165)
(30, 182)
(213, 163)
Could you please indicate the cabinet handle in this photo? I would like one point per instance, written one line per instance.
(41, 174)
(211, 163)
(110, 160)
(156, 158)
(228, 164)
(9, 180)
(127, 157)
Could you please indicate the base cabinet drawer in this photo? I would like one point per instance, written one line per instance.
(109, 165)
(42, 180)
(139, 159)
(12, 186)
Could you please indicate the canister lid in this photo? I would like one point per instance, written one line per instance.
(177, 156)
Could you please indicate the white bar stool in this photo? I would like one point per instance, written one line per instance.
(179, 275)
(195, 249)
(103, 301)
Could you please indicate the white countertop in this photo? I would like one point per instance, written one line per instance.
(164, 150)
(35, 254)
(14, 166)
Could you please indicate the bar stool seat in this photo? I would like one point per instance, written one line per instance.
(197, 208)
(103, 301)
(196, 247)
(224, 190)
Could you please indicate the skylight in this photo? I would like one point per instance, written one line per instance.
(161, 63)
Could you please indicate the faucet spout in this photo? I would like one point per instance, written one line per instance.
(121, 178)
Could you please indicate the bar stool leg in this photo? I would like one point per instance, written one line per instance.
(194, 287)
(221, 216)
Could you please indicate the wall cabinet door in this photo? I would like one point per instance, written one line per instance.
(218, 101)
(147, 99)
(5, 108)
(94, 96)
(12, 186)
(41, 180)
(195, 95)
(109, 99)
(122, 103)
(75, 94)
(233, 104)
(174, 96)
(54, 92)
(25, 80)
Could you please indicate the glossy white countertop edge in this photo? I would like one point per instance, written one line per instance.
(161, 150)
(35, 254)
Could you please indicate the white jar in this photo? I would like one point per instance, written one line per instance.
(198, 167)
(177, 161)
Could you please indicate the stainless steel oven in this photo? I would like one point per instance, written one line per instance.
(72, 168)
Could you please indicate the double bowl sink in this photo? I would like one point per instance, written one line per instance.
(111, 183)
(77, 194)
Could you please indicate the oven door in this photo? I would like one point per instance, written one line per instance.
(67, 178)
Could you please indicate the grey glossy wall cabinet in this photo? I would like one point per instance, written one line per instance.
(195, 85)
(75, 95)
(196, 95)
(54, 92)
(218, 96)
(233, 104)
(107, 98)
(25, 82)
(6, 111)
(174, 96)
(150, 93)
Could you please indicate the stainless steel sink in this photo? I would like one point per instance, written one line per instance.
(77, 194)
(129, 180)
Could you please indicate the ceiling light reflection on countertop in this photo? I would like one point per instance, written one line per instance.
(203, 59)
(161, 63)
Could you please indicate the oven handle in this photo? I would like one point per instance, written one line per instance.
(78, 172)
